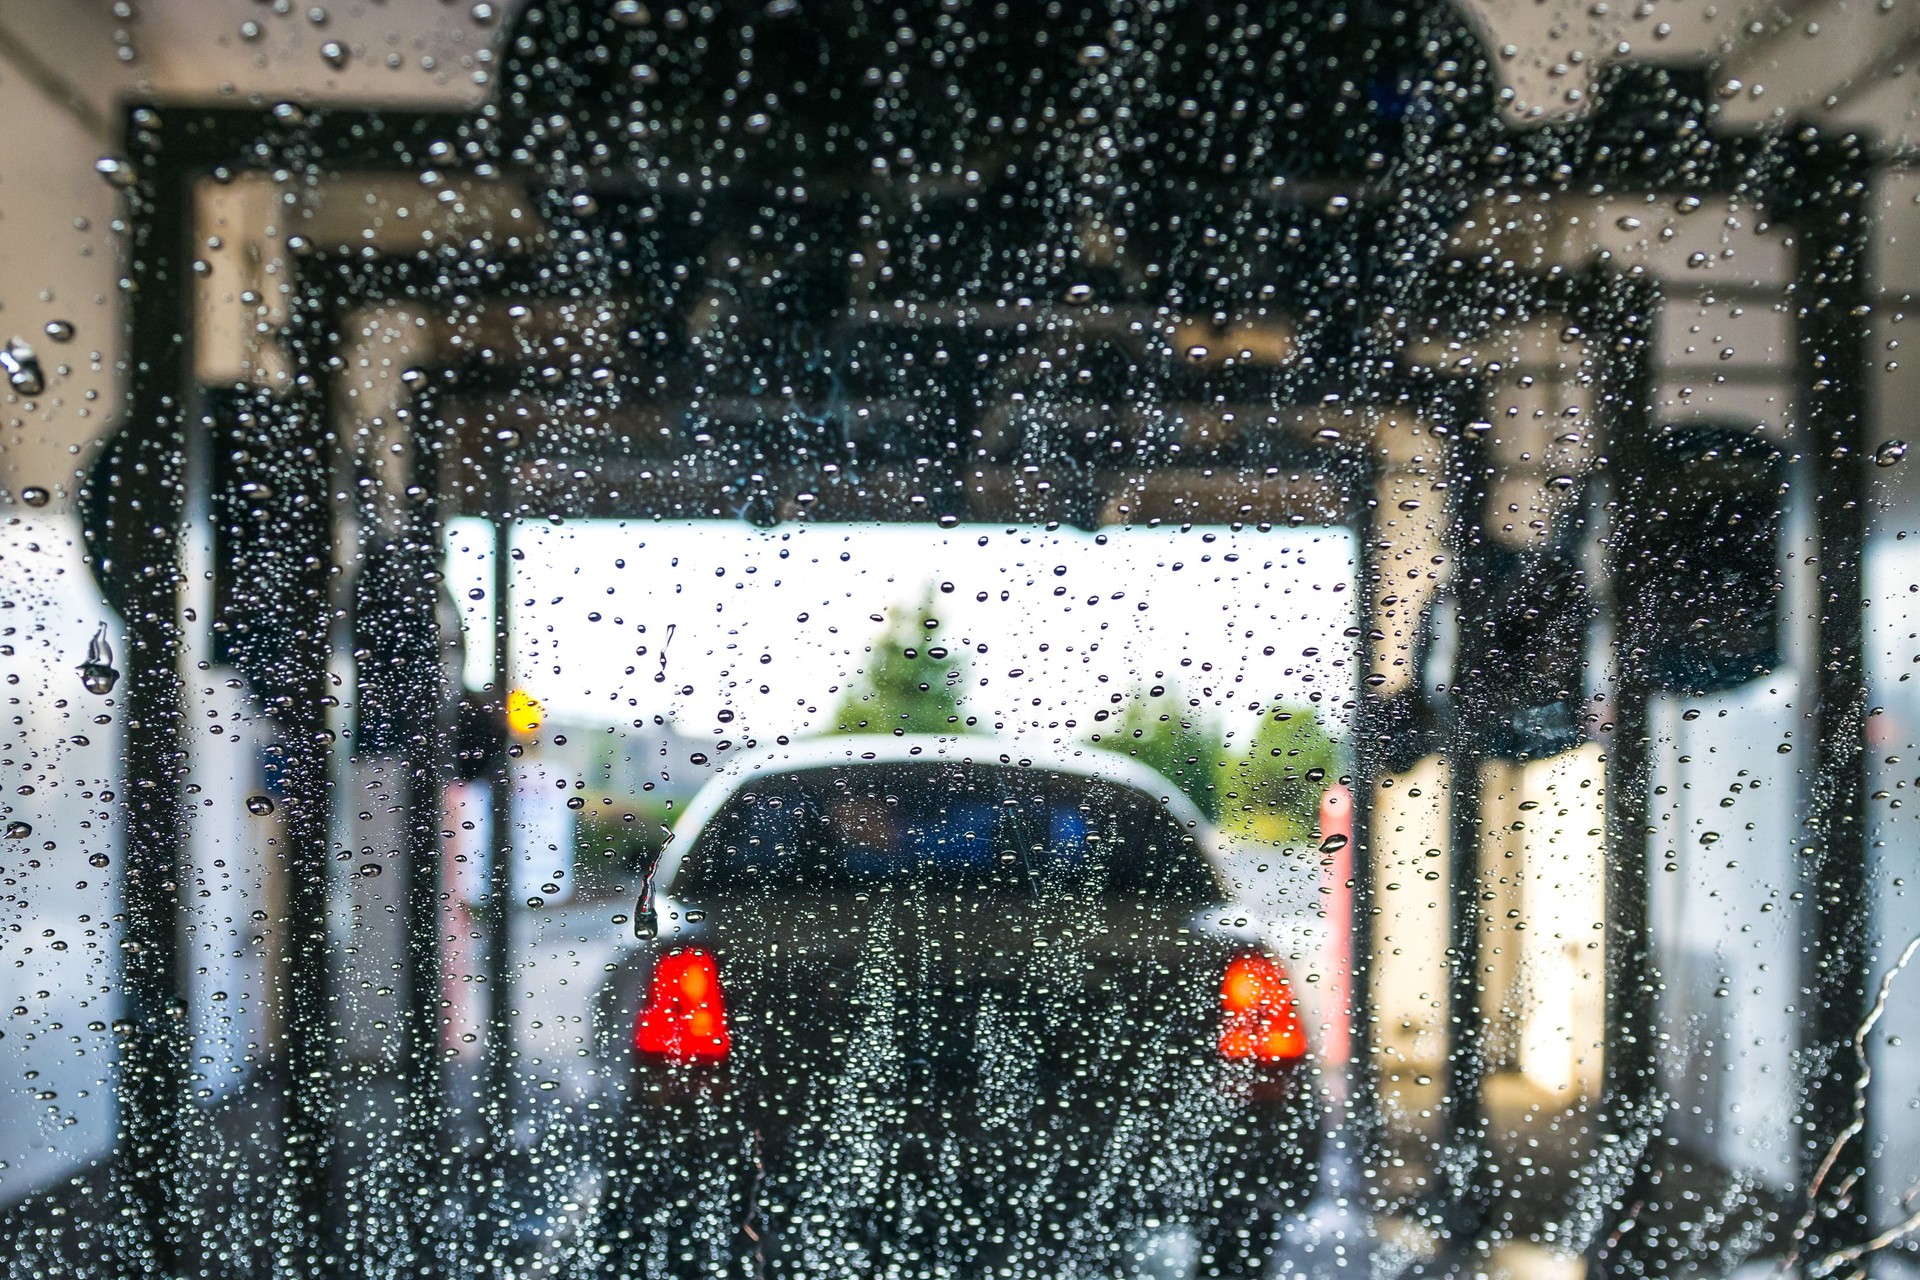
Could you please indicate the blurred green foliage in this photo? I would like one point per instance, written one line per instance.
(1272, 788)
(1267, 789)
(1177, 741)
(911, 684)
(614, 846)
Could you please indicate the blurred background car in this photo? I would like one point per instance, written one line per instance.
(893, 992)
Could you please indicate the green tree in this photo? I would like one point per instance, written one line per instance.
(911, 684)
(1275, 784)
(1268, 789)
(1173, 738)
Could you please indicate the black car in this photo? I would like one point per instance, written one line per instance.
(918, 1007)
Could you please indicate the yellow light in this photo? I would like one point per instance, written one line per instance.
(524, 712)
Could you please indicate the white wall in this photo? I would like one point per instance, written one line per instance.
(59, 962)
(1893, 570)
(1724, 870)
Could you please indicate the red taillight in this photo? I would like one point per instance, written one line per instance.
(1260, 1021)
(686, 1015)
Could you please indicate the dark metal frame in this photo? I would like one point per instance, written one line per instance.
(141, 502)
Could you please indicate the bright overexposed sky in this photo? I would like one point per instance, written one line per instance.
(771, 625)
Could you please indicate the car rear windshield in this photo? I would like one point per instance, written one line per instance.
(1009, 831)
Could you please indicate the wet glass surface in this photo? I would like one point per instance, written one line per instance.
(963, 639)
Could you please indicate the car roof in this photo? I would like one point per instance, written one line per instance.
(1075, 759)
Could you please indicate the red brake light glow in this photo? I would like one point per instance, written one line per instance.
(685, 1019)
(1260, 1019)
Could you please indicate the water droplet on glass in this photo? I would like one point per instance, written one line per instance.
(1333, 843)
(259, 806)
(19, 830)
(59, 331)
(368, 870)
(97, 673)
(631, 13)
(98, 860)
(34, 496)
(1890, 453)
(22, 368)
(335, 53)
(117, 172)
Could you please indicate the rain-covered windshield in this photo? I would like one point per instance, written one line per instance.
(989, 639)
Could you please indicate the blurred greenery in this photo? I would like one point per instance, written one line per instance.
(1273, 787)
(1174, 739)
(613, 847)
(1268, 789)
(911, 684)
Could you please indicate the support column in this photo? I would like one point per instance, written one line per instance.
(273, 532)
(134, 512)
(1833, 180)
(1632, 1109)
